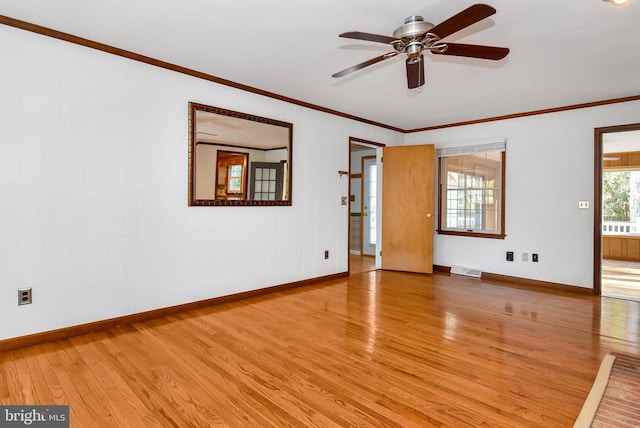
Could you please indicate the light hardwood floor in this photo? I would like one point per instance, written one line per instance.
(361, 264)
(621, 279)
(375, 349)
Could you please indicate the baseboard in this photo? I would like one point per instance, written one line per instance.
(523, 281)
(64, 333)
(67, 332)
(536, 283)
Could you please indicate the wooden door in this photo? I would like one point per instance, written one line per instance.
(407, 208)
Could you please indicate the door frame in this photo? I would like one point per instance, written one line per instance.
(597, 199)
(378, 147)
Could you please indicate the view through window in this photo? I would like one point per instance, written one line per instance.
(472, 191)
(621, 202)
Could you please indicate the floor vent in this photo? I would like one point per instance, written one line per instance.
(461, 270)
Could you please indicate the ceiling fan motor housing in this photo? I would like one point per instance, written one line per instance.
(413, 26)
(411, 36)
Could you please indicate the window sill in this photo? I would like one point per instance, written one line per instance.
(472, 234)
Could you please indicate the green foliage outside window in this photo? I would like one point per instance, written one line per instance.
(615, 192)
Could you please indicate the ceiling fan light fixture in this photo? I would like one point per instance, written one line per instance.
(413, 51)
(618, 2)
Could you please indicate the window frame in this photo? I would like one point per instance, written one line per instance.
(442, 207)
(233, 179)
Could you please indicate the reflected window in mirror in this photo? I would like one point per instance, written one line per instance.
(238, 159)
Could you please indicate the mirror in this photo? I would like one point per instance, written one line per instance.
(238, 159)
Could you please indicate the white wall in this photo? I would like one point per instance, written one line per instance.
(550, 167)
(93, 181)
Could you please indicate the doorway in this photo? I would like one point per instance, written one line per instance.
(364, 185)
(617, 196)
(408, 206)
(231, 175)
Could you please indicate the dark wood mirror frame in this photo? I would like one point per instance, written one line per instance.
(241, 133)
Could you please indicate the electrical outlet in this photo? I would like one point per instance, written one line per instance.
(509, 256)
(583, 205)
(534, 257)
(24, 296)
(326, 254)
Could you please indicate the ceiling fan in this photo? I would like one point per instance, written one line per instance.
(416, 35)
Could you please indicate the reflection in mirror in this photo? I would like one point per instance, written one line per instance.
(238, 159)
(231, 176)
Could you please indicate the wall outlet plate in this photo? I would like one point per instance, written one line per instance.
(583, 205)
(509, 256)
(24, 296)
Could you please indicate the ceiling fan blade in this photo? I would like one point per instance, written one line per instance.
(469, 16)
(473, 51)
(415, 73)
(364, 64)
(359, 35)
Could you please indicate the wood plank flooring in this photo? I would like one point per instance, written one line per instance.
(376, 349)
(621, 279)
(361, 264)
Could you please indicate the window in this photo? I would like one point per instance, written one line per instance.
(234, 178)
(621, 202)
(471, 197)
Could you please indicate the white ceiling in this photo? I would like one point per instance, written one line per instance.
(213, 128)
(620, 142)
(562, 52)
